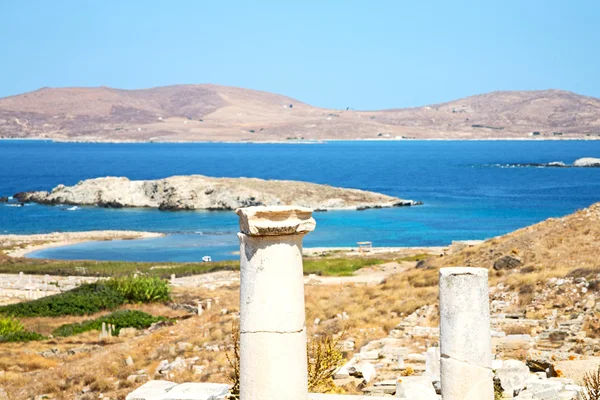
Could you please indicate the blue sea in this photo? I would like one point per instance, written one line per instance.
(468, 189)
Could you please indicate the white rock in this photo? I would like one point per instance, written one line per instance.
(513, 375)
(415, 388)
(432, 363)
(364, 370)
(197, 391)
(153, 390)
(587, 162)
(343, 371)
(370, 355)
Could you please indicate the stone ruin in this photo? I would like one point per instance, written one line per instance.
(273, 354)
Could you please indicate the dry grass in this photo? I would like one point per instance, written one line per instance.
(45, 325)
(553, 247)
(373, 311)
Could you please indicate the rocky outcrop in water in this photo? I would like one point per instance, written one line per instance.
(586, 162)
(197, 192)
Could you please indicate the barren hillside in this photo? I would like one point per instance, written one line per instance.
(212, 112)
(557, 244)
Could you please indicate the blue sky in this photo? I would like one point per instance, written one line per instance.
(360, 54)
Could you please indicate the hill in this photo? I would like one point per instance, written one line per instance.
(557, 245)
(213, 112)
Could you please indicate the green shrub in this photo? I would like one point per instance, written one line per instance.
(86, 299)
(93, 297)
(141, 289)
(21, 336)
(10, 325)
(337, 266)
(120, 319)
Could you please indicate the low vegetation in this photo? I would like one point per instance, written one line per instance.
(119, 319)
(10, 325)
(591, 386)
(110, 268)
(323, 359)
(330, 266)
(83, 300)
(12, 330)
(141, 289)
(23, 336)
(337, 266)
(92, 298)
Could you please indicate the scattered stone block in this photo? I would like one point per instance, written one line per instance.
(163, 390)
(364, 370)
(372, 355)
(512, 376)
(343, 372)
(153, 390)
(415, 388)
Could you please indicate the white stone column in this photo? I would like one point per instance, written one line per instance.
(466, 348)
(272, 318)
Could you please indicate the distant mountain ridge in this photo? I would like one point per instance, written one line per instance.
(213, 112)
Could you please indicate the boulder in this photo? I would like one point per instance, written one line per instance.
(152, 390)
(364, 370)
(512, 375)
(415, 388)
(163, 390)
(587, 162)
(507, 262)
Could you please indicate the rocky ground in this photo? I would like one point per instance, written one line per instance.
(197, 192)
(545, 321)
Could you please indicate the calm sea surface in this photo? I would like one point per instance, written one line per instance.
(467, 190)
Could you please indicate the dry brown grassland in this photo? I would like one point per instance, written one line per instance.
(555, 248)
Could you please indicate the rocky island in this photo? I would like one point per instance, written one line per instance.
(197, 192)
(586, 162)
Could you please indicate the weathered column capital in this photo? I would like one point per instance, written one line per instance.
(275, 220)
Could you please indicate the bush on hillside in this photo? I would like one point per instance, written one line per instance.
(120, 319)
(10, 325)
(141, 289)
(86, 299)
(94, 297)
(21, 336)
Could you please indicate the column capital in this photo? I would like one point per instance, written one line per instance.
(275, 220)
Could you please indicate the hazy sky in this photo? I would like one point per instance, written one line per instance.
(363, 54)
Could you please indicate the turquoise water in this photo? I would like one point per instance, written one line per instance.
(467, 192)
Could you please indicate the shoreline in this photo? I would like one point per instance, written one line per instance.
(308, 141)
(19, 246)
